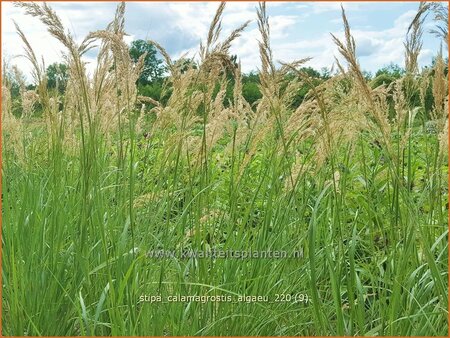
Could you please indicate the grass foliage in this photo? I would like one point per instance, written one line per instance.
(354, 176)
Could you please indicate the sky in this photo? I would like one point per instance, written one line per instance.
(298, 30)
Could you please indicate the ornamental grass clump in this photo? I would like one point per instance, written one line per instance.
(112, 199)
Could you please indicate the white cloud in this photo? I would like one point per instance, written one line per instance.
(280, 23)
(375, 48)
(322, 7)
(295, 30)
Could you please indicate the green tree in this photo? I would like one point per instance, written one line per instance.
(392, 70)
(250, 87)
(315, 78)
(185, 64)
(325, 73)
(311, 72)
(386, 75)
(57, 76)
(153, 66)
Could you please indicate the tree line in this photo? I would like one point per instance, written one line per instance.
(151, 80)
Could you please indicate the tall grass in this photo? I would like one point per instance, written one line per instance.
(355, 177)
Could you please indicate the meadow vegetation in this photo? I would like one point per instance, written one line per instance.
(94, 176)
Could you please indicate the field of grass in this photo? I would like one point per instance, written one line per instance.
(352, 185)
